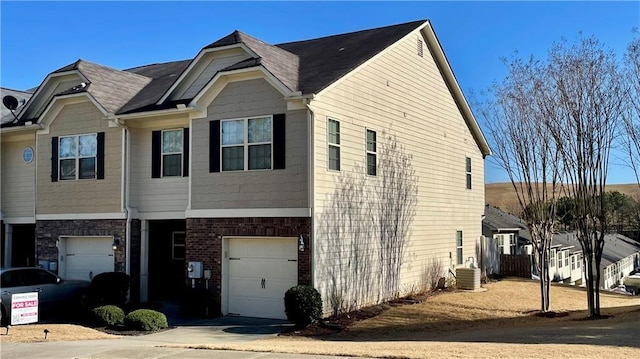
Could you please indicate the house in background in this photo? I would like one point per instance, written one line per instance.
(252, 168)
(21, 251)
(620, 257)
(503, 233)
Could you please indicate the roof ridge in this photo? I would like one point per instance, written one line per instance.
(10, 89)
(154, 64)
(354, 32)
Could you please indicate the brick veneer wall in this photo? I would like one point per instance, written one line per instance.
(204, 243)
(47, 232)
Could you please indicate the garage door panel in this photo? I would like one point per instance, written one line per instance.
(87, 257)
(253, 260)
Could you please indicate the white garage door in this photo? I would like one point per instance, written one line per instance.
(88, 256)
(261, 270)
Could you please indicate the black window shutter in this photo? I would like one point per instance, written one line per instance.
(279, 143)
(100, 156)
(214, 146)
(54, 159)
(185, 152)
(156, 160)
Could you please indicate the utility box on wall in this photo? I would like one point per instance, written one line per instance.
(195, 270)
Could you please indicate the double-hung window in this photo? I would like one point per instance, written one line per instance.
(372, 154)
(468, 171)
(77, 156)
(552, 258)
(333, 139)
(459, 254)
(172, 152)
(246, 144)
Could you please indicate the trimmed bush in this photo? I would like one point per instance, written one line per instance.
(110, 288)
(146, 319)
(108, 315)
(303, 305)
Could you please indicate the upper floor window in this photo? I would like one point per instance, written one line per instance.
(77, 156)
(333, 139)
(253, 143)
(372, 153)
(172, 152)
(246, 144)
(468, 170)
(459, 253)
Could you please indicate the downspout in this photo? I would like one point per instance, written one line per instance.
(311, 186)
(125, 191)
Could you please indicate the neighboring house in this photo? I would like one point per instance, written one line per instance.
(620, 257)
(504, 233)
(14, 150)
(349, 162)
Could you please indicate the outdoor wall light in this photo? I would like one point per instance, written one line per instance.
(116, 243)
(301, 243)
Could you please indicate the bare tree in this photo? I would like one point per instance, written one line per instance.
(632, 115)
(589, 95)
(518, 119)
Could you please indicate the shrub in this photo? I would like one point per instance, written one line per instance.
(303, 305)
(108, 315)
(146, 319)
(110, 288)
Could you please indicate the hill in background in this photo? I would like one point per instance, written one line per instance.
(503, 196)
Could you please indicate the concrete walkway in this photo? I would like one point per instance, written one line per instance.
(211, 331)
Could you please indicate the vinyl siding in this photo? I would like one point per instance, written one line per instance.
(154, 194)
(402, 94)
(17, 179)
(285, 188)
(80, 196)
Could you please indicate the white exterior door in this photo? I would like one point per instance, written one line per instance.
(87, 257)
(260, 271)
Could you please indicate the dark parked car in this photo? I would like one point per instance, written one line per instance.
(54, 293)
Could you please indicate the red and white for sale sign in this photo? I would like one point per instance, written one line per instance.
(24, 308)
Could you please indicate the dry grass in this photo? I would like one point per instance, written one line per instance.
(503, 196)
(427, 329)
(35, 333)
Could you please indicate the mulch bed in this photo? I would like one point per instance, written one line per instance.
(336, 324)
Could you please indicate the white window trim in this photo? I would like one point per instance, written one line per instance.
(78, 157)
(367, 152)
(162, 153)
(460, 261)
(337, 145)
(246, 143)
(468, 173)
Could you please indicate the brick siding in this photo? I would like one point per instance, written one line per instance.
(204, 243)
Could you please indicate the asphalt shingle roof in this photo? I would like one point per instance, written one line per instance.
(6, 117)
(325, 60)
(163, 76)
(308, 66)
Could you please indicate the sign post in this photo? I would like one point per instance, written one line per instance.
(24, 308)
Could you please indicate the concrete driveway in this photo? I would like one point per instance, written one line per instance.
(213, 331)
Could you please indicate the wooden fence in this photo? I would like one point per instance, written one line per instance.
(518, 265)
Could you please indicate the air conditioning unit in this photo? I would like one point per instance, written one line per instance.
(468, 278)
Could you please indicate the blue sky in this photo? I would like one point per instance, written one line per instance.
(39, 37)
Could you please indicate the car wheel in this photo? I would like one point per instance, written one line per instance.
(4, 320)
